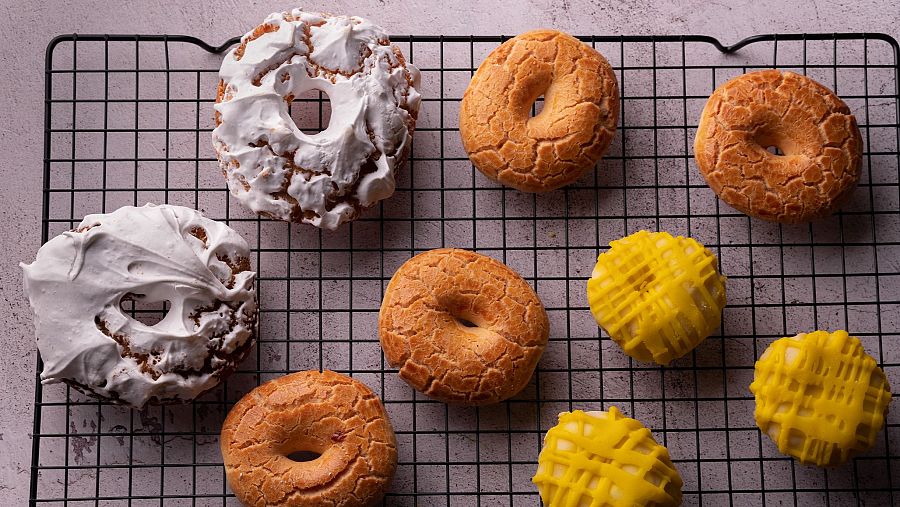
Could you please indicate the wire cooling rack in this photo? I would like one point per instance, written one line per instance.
(128, 121)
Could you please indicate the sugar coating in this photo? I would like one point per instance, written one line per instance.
(328, 178)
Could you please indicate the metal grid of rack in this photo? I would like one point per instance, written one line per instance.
(128, 120)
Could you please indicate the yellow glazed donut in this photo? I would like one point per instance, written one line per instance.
(657, 296)
(820, 397)
(603, 459)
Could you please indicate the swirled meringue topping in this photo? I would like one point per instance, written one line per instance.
(327, 178)
(80, 279)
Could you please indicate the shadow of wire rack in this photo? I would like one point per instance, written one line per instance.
(128, 121)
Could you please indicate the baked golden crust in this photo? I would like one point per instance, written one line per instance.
(320, 412)
(571, 133)
(425, 332)
(813, 128)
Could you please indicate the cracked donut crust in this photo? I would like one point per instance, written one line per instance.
(321, 412)
(571, 133)
(461, 327)
(814, 129)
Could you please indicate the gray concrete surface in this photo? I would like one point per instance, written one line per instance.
(29, 26)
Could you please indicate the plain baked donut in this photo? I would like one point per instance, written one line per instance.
(462, 327)
(568, 137)
(812, 127)
(323, 413)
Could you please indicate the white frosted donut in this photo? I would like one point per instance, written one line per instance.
(153, 253)
(328, 178)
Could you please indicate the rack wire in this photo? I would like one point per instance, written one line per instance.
(128, 121)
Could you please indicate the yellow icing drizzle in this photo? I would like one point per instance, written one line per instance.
(657, 296)
(604, 459)
(819, 396)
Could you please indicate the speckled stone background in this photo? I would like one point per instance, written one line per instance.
(28, 29)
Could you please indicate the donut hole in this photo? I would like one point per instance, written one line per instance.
(464, 322)
(148, 313)
(311, 111)
(537, 107)
(542, 101)
(775, 144)
(303, 456)
(464, 317)
(459, 309)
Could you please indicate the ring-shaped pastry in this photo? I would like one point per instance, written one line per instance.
(816, 147)
(331, 417)
(462, 327)
(555, 147)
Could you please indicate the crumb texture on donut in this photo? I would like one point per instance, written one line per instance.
(570, 134)
(80, 279)
(597, 458)
(657, 296)
(327, 178)
(324, 413)
(820, 397)
(462, 327)
(820, 143)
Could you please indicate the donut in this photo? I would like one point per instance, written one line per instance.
(461, 327)
(820, 397)
(600, 458)
(328, 178)
(81, 278)
(818, 138)
(657, 296)
(334, 419)
(556, 146)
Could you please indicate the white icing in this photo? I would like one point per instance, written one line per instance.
(373, 107)
(78, 280)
